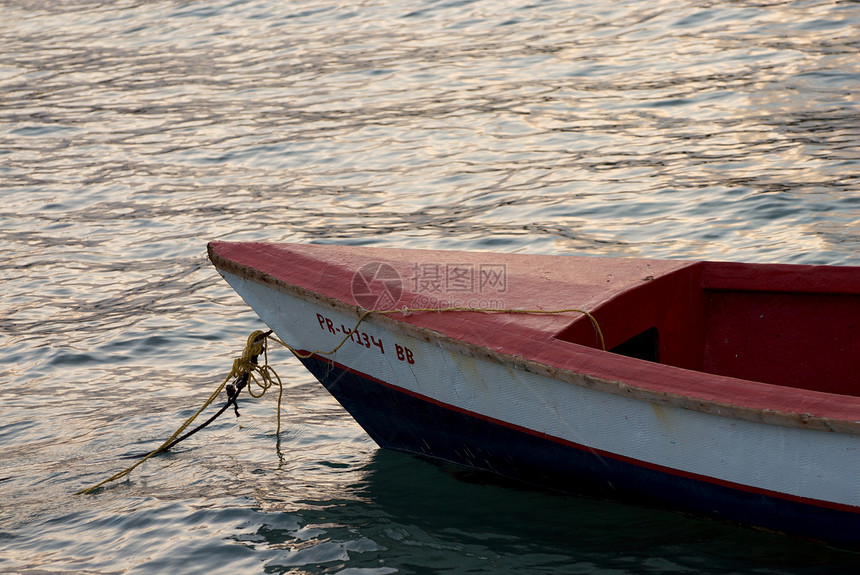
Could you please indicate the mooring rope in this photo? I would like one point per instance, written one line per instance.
(247, 369)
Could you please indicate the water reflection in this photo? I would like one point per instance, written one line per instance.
(390, 130)
(131, 133)
(407, 512)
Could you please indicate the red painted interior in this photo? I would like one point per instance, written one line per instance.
(797, 329)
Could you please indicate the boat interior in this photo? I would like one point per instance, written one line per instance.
(794, 326)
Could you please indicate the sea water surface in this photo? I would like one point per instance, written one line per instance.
(134, 132)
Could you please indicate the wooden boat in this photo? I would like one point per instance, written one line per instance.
(725, 389)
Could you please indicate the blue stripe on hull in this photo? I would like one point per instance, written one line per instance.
(402, 421)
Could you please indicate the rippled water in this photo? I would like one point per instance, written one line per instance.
(131, 133)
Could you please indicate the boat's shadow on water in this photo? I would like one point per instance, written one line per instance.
(446, 499)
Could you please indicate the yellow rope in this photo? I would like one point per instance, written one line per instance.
(241, 365)
(268, 377)
(264, 376)
(301, 355)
